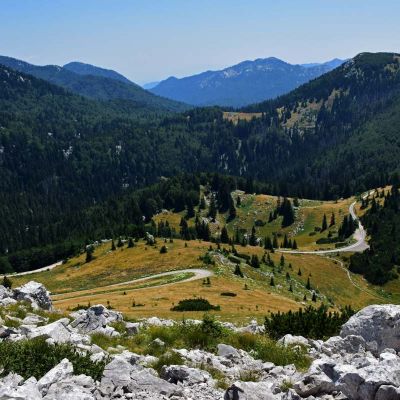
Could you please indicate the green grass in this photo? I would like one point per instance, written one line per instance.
(35, 358)
(206, 336)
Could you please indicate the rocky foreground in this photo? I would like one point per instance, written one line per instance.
(363, 363)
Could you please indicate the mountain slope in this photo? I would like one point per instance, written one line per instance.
(241, 84)
(88, 69)
(96, 87)
(330, 138)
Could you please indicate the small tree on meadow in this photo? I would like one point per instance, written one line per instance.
(238, 271)
(7, 282)
(324, 226)
(89, 254)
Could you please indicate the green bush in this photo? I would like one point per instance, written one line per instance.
(36, 357)
(195, 305)
(314, 323)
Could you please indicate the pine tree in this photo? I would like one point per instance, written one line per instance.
(89, 254)
(202, 204)
(286, 210)
(285, 244)
(282, 261)
(272, 282)
(275, 242)
(190, 210)
(333, 222)
(224, 235)
(238, 201)
(120, 243)
(267, 243)
(130, 243)
(255, 262)
(294, 244)
(324, 226)
(290, 288)
(212, 211)
(287, 276)
(308, 285)
(113, 248)
(314, 297)
(238, 271)
(299, 272)
(253, 237)
(7, 282)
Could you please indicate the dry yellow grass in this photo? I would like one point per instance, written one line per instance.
(248, 304)
(120, 265)
(235, 117)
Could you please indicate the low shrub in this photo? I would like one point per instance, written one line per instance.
(228, 294)
(199, 304)
(35, 358)
(314, 323)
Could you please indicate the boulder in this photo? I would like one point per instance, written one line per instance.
(132, 328)
(20, 391)
(72, 388)
(60, 372)
(96, 319)
(387, 392)
(5, 293)
(249, 391)
(290, 340)
(33, 319)
(376, 323)
(314, 384)
(56, 332)
(186, 375)
(224, 350)
(35, 293)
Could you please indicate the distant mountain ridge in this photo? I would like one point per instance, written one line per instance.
(96, 83)
(88, 69)
(242, 84)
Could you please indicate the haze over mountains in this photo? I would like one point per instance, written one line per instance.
(242, 84)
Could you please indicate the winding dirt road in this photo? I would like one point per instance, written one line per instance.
(359, 235)
(198, 274)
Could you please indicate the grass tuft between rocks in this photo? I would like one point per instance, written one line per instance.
(205, 336)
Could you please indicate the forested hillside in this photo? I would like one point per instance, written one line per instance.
(96, 83)
(333, 137)
(381, 262)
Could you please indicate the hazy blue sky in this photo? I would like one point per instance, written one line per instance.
(152, 39)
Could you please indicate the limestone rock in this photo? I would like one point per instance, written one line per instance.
(35, 293)
(290, 340)
(184, 374)
(61, 371)
(376, 323)
(96, 319)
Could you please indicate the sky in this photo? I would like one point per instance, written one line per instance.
(150, 40)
